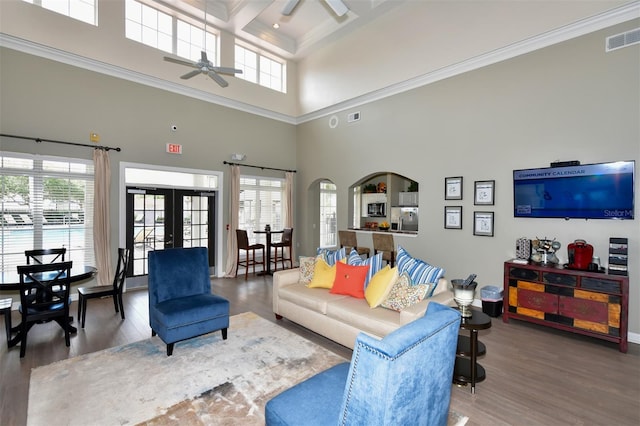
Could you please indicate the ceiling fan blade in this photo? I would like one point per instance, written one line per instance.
(288, 8)
(338, 6)
(226, 70)
(190, 74)
(221, 81)
(180, 62)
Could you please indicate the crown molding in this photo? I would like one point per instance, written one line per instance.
(585, 26)
(58, 55)
(598, 22)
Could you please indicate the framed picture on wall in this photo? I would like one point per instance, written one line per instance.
(453, 188)
(484, 192)
(453, 217)
(483, 224)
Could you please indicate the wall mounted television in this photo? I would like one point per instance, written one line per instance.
(589, 191)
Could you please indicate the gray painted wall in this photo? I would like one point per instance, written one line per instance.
(572, 101)
(47, 99)
(569, 101)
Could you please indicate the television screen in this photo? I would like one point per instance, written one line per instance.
(590, 191)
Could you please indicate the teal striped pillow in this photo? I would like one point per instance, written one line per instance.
(418, 270)
(374, 263)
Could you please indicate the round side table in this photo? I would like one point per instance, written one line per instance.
(467, 370)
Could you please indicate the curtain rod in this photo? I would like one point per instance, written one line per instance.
(258, 167)
(106, 148)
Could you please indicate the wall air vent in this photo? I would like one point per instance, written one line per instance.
(619, 41)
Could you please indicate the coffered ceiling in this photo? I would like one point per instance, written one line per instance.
(311, 25)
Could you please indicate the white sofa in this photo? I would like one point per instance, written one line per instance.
(338, 317)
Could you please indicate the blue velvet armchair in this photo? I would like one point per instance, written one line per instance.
(403, 379)
(181, 304)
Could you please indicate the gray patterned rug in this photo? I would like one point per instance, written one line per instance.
(207, 381)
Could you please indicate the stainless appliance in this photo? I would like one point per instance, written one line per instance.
(377, 209)
(404, 218)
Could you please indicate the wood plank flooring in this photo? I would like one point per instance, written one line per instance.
(535, 376)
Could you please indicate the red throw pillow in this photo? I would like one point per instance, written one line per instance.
(350, 280)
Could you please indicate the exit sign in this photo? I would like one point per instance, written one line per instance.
(174, 148)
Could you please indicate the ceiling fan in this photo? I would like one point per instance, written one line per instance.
(337, 6)
(204, 66)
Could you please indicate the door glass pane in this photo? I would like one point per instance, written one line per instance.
(195, 218)
(148, 229)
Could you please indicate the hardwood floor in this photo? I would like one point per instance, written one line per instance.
(535, 376)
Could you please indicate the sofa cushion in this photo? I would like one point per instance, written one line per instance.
(350, 280)
(374, 263)
(356, 313)
(419, 271)
(380, 286)
(315, 299)
(403, 294)
(307, 267)
(323, 275)
(332, 256)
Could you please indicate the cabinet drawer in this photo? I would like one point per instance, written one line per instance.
(523, 274)
(561, 279)
(599, 284)
(584, 309)
(538, 301)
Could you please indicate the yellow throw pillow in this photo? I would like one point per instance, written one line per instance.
(323, 275)
(380, 286)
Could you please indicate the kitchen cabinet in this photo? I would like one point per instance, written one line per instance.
(408, 199)
(589, 303)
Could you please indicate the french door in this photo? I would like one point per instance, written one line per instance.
(159, 218)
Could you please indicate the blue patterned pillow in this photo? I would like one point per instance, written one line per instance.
(419, 271)
(374, 263)
(332, 256)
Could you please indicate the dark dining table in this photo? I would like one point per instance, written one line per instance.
(267, 268)
(10, 281)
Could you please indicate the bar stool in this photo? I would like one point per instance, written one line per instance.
(285, 242)
(243, 244)
(385, 244)
(349, 240)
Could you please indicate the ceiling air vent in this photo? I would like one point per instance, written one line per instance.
(623, 40)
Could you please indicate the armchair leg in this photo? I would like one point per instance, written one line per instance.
(169, 349)
(224, 334)
(153, 333)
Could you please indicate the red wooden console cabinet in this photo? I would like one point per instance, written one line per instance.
(588, 303)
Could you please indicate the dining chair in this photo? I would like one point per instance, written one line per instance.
(286, 242)
(243, 245)
(44, 296)
(41, 256)
(349, 240)
(385, 244)
(114, 290)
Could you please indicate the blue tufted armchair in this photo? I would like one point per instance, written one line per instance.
(403, 379)
(181, 304)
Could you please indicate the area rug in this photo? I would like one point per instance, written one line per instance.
(207, 380)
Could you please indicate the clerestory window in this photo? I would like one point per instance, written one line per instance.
(168, 33)
(260, 69)
(82, 10)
